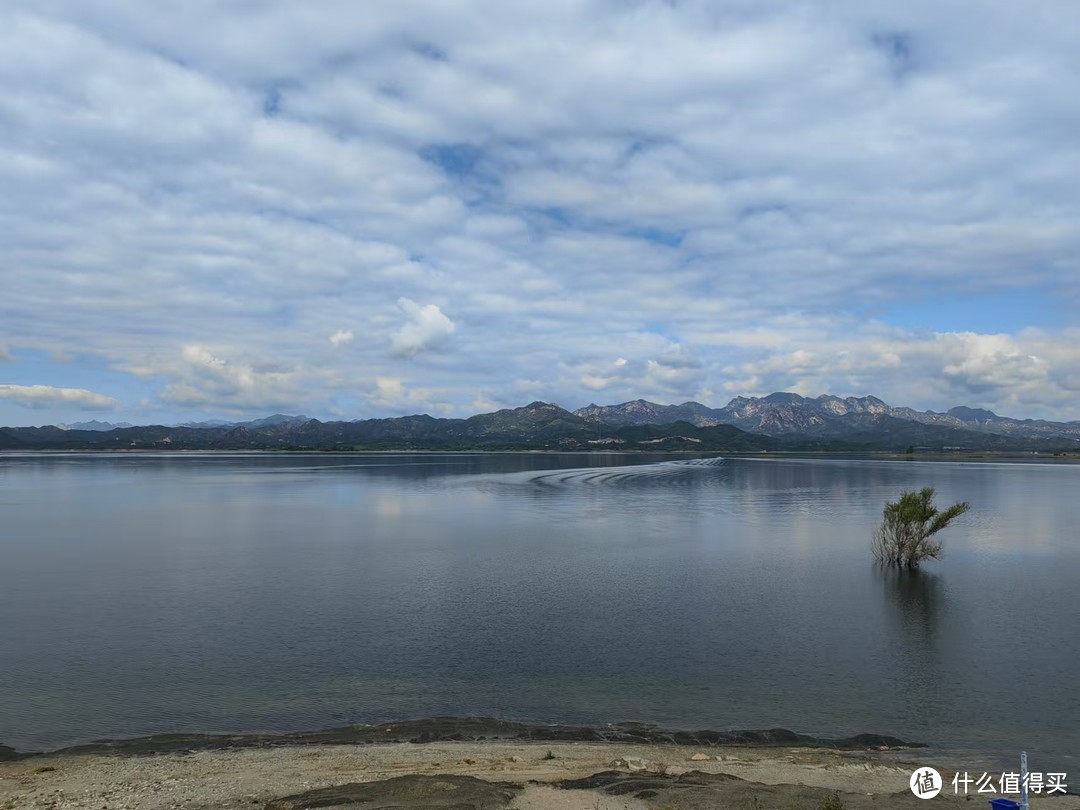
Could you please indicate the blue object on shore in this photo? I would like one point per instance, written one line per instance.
(1004, 804)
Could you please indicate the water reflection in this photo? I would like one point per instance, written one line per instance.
(916, 602)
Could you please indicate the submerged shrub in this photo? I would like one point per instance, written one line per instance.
(906, 535)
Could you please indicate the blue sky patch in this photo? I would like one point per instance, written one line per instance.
(988, 313)
(898, 47)
(457, 160)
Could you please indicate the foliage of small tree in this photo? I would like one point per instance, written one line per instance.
(906, 535)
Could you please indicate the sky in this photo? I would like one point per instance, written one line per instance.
(343, 210)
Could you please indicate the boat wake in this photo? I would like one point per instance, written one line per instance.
(662, 472)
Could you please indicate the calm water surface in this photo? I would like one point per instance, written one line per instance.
(142, 594)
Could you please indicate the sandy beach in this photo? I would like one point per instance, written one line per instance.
(501, 773)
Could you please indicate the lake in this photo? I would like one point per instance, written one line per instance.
(203, 592)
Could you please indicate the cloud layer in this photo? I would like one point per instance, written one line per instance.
(430, 206)
(43, 396)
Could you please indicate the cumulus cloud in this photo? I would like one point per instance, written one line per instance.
(663, 372)
(983, 362)
(425, 328)
(45, 396)
(390, 392)
(341, 337)
(198, 378)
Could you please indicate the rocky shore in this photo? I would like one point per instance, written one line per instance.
(472, 729)
(473, 764)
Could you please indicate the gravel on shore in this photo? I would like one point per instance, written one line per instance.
(255, 777)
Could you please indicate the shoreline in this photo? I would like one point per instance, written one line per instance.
(984, 456)
(469, 730)
(499, 774)
(446, 763)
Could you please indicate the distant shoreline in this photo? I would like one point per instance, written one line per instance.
(1033, 457)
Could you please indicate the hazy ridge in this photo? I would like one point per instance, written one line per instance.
(780, 421)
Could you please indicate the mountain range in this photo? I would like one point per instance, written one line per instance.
(780, 421)
(266, 421)
(826, 416)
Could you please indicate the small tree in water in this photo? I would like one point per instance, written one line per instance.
(908, 526)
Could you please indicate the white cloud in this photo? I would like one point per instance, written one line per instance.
(45, 396)
(341, 337)
(200, 379)
(395, 396)
(584, 182)
(661, 372)
(392, 393)
(426, 328)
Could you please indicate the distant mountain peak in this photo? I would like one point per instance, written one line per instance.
(966, 414)
(784, 398)
(645, 412)
(540, 405)
(643, 405)
(275, 420)
(94, 424)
